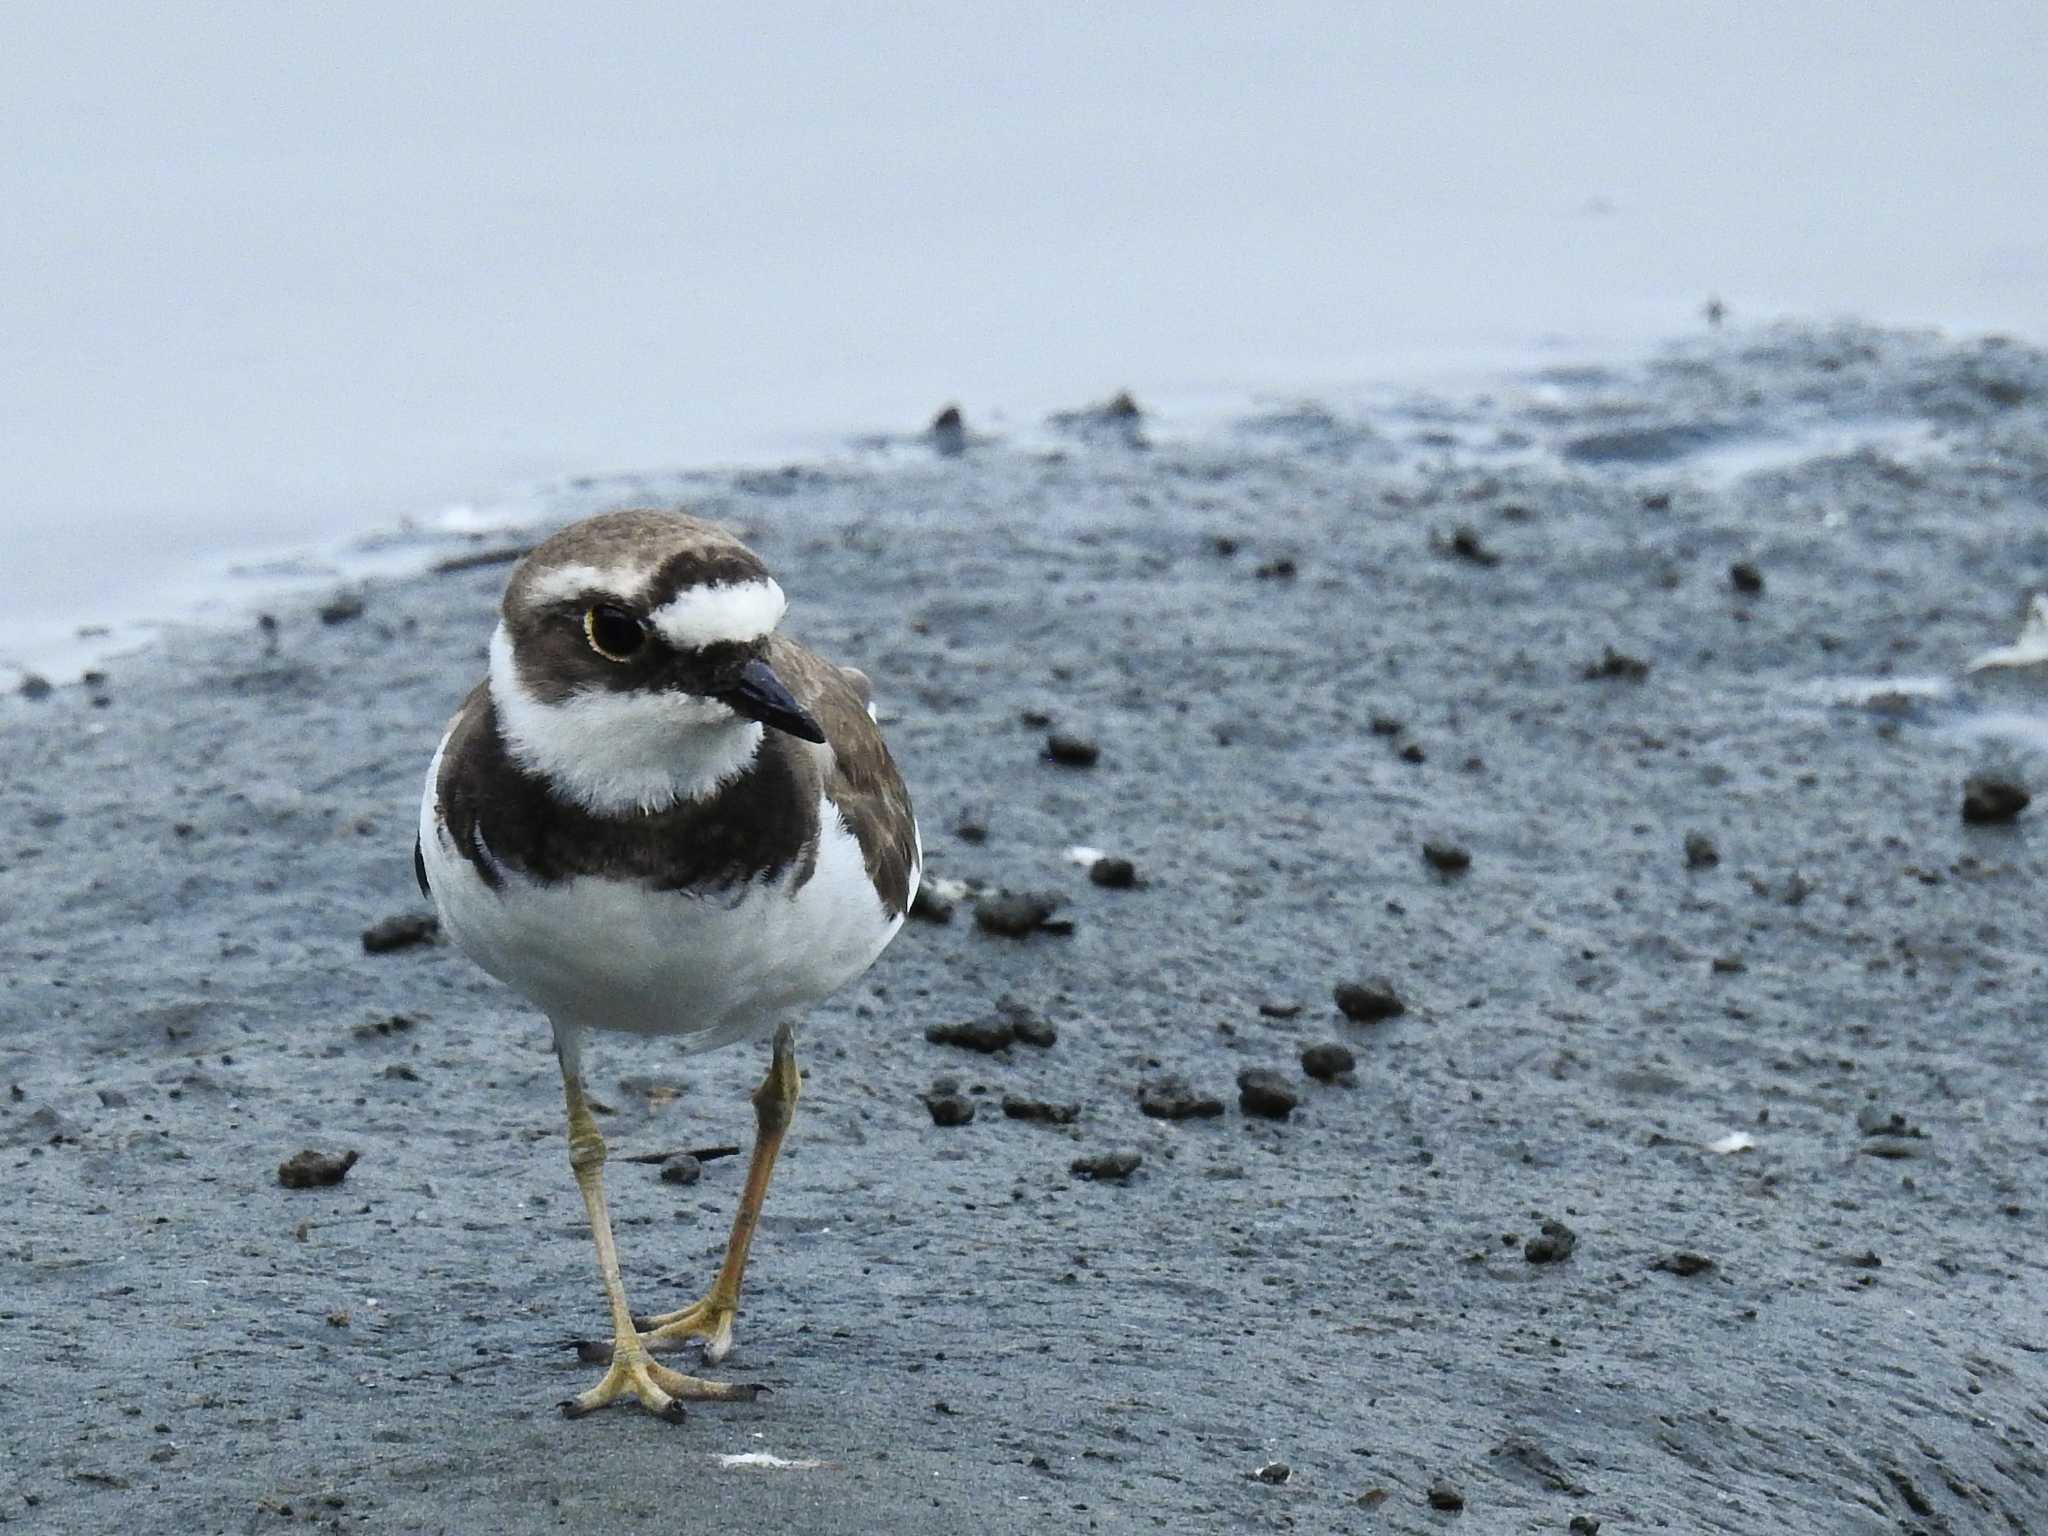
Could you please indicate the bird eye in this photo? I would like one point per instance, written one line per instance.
(613, 633)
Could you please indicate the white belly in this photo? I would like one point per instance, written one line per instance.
(602, 954)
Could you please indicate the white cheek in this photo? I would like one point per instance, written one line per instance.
(619, 752)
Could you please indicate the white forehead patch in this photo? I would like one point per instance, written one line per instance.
(706, 615)
(567, 581)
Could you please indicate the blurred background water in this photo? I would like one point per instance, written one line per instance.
(274, 275)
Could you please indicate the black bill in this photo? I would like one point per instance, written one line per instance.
(760, 696)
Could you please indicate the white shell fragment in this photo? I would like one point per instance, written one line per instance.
(1734, 1141)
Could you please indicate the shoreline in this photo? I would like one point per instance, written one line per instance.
(1696, 1184)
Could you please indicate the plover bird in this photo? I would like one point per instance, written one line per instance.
(659, 815)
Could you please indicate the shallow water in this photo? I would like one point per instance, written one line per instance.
(274, 281)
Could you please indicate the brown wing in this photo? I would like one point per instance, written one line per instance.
(863, 782)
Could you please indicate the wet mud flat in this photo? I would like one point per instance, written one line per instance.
(1675, 1161)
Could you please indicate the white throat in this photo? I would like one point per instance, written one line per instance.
(615, 753)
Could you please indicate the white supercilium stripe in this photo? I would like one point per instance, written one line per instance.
(628, 582)
(708, 615)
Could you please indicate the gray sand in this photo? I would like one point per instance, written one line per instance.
(962, 1332)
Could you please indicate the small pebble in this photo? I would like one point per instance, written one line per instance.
(342, 607)
(1616, 665)
(401, 932)
(1014, 916)
(1386, 725)
(1414, 753)
(1072, 751)
(1446, 858)
(985, 1035)
(1553, 1245)
(1445, 1496)
(1369, 1001)
(1113, 873)
(1466, 544)
(1262, 1091)
(1583, 1525)
(1172, 1098)
(1700, 852)
(1031, 1028)
(681, 1168)
(1729, 965)
(1684, 1262)
(1040, 1110)
(1279, 1008)
(1745, 578)
(35, 686)
(308, 1169)
(928, 906)
(1275, 1472)
(1988, 798)
(1282, 569)
(1119, 1164)
(948, 1105)
(1327, 1062)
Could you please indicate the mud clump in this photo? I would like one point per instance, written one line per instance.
(1553, 1244)
(1328, 1062)
(310, 1169)
(404, 931)
(1989, 799)
(1368, 1001)
(1263, 1092)
(1174, 1098)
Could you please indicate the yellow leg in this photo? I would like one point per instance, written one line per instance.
(632, 1375)
(711, 1319)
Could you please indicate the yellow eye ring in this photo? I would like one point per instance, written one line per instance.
(613, 633)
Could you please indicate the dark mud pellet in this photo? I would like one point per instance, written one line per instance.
(1282, 569)
(1071, 751)
(1114, 873)
(1014, 916)
(308, 1169)
(1119, 1164)
(1386, 725)
(35, 686)
(1745, 578)
(341, 608)
(1616, 666)
(985, 1035)
(1445, 1496)
(1683, 1262)
(1729, 965)
(1446, 858)
(1988, 799)
(1327, 1062)
(971, 829)
(1031, 1028)
(1224, 545)
(948, 431)
(1414, 752)
(1263, 1092)
(1553, 1244)
(1034, 719)
(1173, 1098)
(1368, 1001)
(401, 932)
(681, 1168)
(1466, 544)
(1042, 1111)
(1279, 1008)
(1700, 852)
(928, 906)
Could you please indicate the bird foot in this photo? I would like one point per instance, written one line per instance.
(707, 1320)
(656, 1388)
